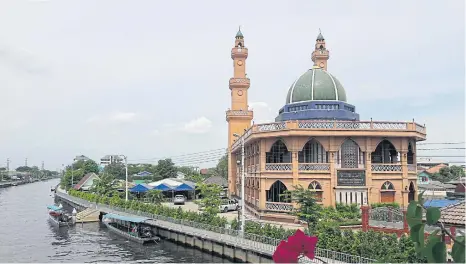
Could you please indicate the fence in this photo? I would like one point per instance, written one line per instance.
(257, 243)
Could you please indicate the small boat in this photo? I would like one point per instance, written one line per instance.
(58, 216)
(132, 228)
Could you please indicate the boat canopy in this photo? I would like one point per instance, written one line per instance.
(54, 208)
(127, 218)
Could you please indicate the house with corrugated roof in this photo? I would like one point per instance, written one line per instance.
(86, 182)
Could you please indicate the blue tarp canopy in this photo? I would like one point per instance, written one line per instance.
(140, 188)
(439, 203)
(184, 187)
(54, 208)
(163, 187)
(126, 218)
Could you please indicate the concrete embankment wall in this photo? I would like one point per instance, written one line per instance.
(213, 246)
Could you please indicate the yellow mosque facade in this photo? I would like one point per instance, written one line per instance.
(317, 141)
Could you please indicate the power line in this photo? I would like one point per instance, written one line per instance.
(444, 143)
(207, 152)
(439, 148)
(434, 156)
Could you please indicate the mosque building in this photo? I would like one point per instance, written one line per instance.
(317, 141)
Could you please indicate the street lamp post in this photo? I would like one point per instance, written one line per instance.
(242, 184)
(126, 175)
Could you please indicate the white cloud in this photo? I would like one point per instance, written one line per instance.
(123, 117)
(200, 125)
(256, 105)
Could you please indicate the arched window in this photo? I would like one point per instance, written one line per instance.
(317, 188)
(412, 192)
(313, 152)
(387, 193)
(350, 155)
(278, 153)
(277, 193)
(385, 153)
(410, 155)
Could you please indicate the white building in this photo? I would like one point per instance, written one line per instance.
(110, 159)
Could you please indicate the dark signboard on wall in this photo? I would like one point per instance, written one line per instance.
(351, 178)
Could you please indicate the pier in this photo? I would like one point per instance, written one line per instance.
(216, 240)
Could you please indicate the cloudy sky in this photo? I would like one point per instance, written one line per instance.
(149, 79)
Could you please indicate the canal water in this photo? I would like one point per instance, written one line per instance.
(27, 236)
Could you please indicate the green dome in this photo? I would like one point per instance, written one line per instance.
(316, 85)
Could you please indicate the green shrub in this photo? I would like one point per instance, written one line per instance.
(394, 205)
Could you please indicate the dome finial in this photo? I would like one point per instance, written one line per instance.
(239, 34)
(320, 37)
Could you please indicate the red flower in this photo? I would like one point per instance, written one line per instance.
(285, 254)
(298, 244)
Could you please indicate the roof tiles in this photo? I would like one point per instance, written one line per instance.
(454, 214)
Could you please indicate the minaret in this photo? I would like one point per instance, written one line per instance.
(239, 116)
(320, 55)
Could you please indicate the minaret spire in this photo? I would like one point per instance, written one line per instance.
(320, 55)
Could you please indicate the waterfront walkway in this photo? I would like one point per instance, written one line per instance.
(251, 242)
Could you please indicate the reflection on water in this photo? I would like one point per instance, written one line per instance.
(27, 235)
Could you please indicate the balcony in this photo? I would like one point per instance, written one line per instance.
(412, 168)
(239, 53)
(239, 114)
(338, 128)
(314, 167)
(278, 166)
(278, 207)
(239, 83)
(386, 167)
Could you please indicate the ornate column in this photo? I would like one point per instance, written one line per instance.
(369, 183)
(295, 167)
(262, 181)
(404, 176)
(333, 178)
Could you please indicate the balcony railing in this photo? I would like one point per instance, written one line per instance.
(412, 168)
(314, 167)
(386, 167)
(279, 207)
(334, 125)
(278, 166)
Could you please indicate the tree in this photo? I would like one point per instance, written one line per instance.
(308, 209)
(70, 174)
(156, 196)
(118, 170)
(24, 169)
(166, 169)
(210, 200)
(104, 185)
(447, 174)
(435, 249)
(222, 167)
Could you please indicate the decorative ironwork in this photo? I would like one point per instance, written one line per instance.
(314, 166)
(315, 125)
(354, 125)
(279, 206)
(239, 112)
(420, 129)
(278, 166)
(272, 126)
(390, 125)
(411, 167)
(351, 178)
(349, 154)
(386, 217)
(386, 167)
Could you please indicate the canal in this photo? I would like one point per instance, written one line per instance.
(27, 236)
